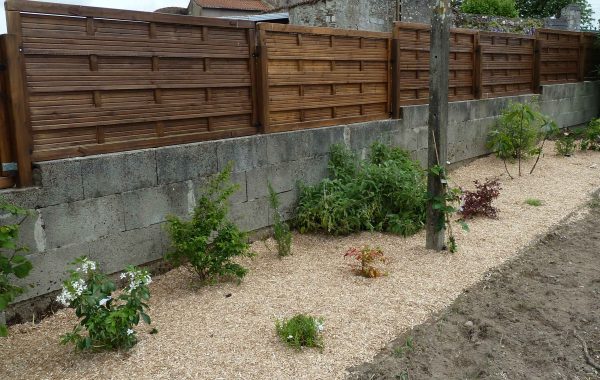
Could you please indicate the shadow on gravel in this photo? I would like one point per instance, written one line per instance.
(518, 323)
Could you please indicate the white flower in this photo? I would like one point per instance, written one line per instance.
(79, 286)
(129, 331)
(123, 275)
(104, 301)
(86, 266)
(137, 279)
(65, 297)
(319, 326)
(290, 337)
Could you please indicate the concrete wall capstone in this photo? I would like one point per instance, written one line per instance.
(113, 207)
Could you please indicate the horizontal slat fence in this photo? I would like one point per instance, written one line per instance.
(560, 56)
(99, 82)
(413, 63)
(313, 77)
(507, 64)
(84, 80)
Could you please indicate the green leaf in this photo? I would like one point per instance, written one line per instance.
(3, 331)
(146, 318)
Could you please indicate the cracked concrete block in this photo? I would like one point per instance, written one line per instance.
(282, 177)
(246, 153)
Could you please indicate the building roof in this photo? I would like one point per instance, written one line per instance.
(173, 10)
(246, 5)
(263, 17)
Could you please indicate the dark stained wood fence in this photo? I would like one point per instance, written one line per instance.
(83, 80)
(412, 56)
(560, 56)
(507, 64)
(313, 77)
(100, 80)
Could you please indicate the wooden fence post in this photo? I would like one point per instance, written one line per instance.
(537, 64)
(477, 68)
(581, 71)
(22, 138)
(438, 121)
(395, 78)
(262, 52)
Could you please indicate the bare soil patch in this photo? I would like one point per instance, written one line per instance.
(205, 334)
(519, 323)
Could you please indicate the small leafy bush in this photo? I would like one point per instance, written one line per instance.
(209, 241)
(281, 230)
(565, 144)
(591, 136)
(533, 202)
(386, 192)
(12, 262)
(504, 8)
(408, 346)
(301, 331)
(366, 260)
(108, 318)
(479, 202)
(519, 131)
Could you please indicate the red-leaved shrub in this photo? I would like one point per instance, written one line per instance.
(479, 202)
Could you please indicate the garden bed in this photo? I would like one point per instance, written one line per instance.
(227, 331)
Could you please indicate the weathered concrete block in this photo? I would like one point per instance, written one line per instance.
(459, 112)
(245, 152)
(364, 135)
(320, 140)
(405, 137)
(184, 162)
(82, 221)
(312, 170)
(251, 215)
(422, 137)
(415, 116)
(135, 247)
(282, 177)
(118, 172)
(145, 207)
(239, 179)
(31, 234)
(288, 203)
(288, 146)
(50, 270)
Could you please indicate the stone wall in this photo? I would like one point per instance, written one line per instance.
(112, 207)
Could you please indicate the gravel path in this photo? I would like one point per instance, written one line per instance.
(205, 335)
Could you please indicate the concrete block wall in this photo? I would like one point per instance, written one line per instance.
(113, 207)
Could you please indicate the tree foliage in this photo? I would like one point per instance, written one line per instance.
(549, 8)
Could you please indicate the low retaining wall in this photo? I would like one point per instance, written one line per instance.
(112, 207)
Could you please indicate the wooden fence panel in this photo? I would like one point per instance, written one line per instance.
(559, 56)
(100, 80)
(314, 77)
(413, 61)
(507, 64)
(6, 154)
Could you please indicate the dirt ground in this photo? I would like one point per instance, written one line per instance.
(518, 323)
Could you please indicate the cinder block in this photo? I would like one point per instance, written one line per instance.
(251, 215)
(422, 137)
(49, 270)
(82, 221)
(405, 137)
(320, 140)
(245, 152)
(288, 146)
(135, 247)
(459, 112)
(415, 116)
(184, 162)
(282, 177)
(289, 203)
(146, 207)
(118, 172)
(312, 170)
(365, 134)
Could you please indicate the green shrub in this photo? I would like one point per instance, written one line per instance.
(519, 131)
(386, 192)
(108, 319)
(504, 8)
(209, 241)
(591, 136)
(565, 144)
(533, 202)
(301, 331)
(281, 230)
(12, 262)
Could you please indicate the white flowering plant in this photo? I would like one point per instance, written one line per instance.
(108, 318)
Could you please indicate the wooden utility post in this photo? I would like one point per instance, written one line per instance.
(438, 116)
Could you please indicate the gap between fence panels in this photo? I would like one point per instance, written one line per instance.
(129, 80)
